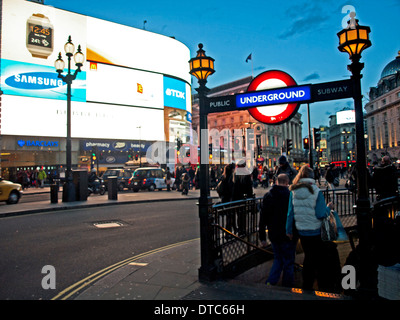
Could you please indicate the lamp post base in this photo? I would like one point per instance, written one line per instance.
(68, 192)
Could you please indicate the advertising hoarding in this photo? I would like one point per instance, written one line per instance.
(125, 85)
(47, 118)
(347, 116)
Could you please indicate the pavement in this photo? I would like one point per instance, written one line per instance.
(168, 273)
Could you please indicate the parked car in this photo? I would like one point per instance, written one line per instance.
(150, 179)
(10, 192)
(123, 176)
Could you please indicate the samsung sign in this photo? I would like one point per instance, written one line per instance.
(32, 80)
(273, 97)
(174, 93)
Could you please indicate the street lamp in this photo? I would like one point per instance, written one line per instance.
(353, 40)
(201, 67)
(79, 58)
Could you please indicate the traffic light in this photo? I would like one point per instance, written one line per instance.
(306, 143)
(316, 136)
(348, 156)
(136, 156)
(94, 154)
(130, 154)
(289, 145)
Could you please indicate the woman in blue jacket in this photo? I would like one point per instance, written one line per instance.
(306, 210)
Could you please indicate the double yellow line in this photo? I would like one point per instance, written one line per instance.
(71, 290)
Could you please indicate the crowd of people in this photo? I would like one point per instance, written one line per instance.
(33, 178)
(293, 210)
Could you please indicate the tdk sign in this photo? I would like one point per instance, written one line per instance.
(273, 97)
(174, 93)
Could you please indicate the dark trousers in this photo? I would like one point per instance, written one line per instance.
(321, 263)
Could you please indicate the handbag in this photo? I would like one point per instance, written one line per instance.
(329, 228)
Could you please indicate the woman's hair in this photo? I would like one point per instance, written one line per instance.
(304, 172)
(227, 171)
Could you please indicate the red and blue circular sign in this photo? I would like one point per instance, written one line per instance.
(278, 113)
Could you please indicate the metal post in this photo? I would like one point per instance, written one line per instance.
(207, 268)
(310, 158)
(68, 188)
(363, 210)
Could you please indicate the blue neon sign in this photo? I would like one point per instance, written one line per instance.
(273, 97)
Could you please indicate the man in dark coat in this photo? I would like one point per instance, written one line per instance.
(284, 167)
(242, 189)
(273, 215)
(385, 179)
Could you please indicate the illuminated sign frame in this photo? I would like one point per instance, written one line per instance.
(268, 98)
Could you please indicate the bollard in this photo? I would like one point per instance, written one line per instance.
(112, 188)
(54, 193)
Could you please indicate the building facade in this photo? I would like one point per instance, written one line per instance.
(383, 114)
(342, 138)
(126, 97)
(270, 140)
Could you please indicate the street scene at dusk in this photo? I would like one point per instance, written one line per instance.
(203, 158)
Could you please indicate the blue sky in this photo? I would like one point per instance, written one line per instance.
(295, 36)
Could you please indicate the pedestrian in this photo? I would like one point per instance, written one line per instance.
(185, 183)
(306, 210)
(168, 179)
(42, 177)
(197, 178)
(332, 176)
(284, 167)
(191, 176)
(255, 177)
(225, 189)
(225, 186)
(178, 174)
(385, 179)
(34, 178)
(273, 215)
(317, 175)
(242, 189)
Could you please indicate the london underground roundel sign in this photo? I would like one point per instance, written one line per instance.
(276, 113)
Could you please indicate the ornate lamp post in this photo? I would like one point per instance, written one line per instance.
(353, 40)
(79, 58)
(201, 67)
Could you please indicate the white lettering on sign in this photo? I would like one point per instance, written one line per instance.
(332, 90)
(273, 97)
(217, 104)
(175, 93)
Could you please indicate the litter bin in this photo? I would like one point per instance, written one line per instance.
(80, 178)
(112, 188)
(54, 193)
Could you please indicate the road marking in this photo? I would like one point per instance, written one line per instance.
(138, 264)
(71, 290)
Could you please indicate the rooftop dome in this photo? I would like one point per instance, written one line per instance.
(392, 67)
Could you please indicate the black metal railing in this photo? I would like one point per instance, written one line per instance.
(235, 233)
(235, 237)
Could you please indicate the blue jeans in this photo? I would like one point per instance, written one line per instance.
(284, 255)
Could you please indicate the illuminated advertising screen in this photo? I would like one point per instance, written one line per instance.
(122, 80)
(174, 93)
(347, 116)
(48, 118)
(33, 80)
(111, 84)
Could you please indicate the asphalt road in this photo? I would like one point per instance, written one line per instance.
(69, 241)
